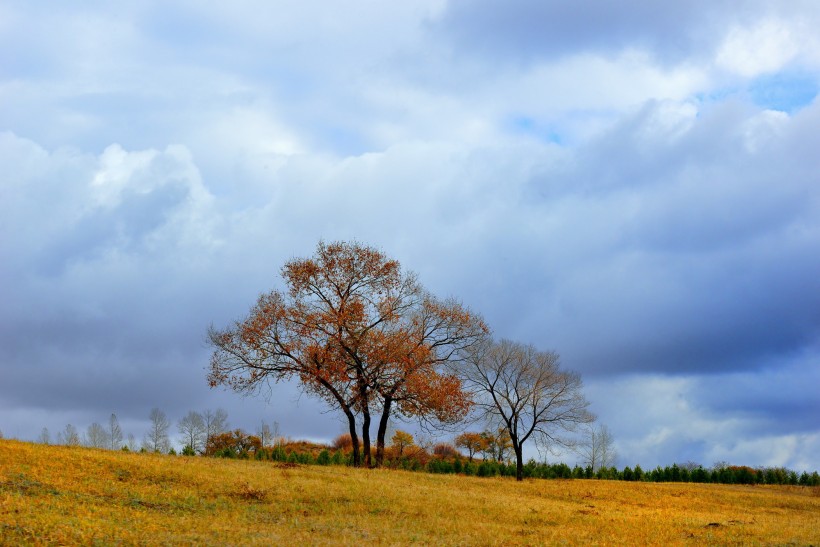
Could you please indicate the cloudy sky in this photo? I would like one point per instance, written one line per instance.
(633, 184)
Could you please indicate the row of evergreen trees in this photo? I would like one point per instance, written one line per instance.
(724, 474)
(730, 474)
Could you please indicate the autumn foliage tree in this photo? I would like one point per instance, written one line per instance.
(234, 442)
(472, 442)
(357, 332)
(496, 444)
(401, 440)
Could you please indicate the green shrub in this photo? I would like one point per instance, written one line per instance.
(488, 469)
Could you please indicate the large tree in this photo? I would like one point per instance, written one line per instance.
(527, 392)
(357, 332)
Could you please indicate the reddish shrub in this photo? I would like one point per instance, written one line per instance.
(304, 447)
(445, 450)
(236, 441)
(343, 442)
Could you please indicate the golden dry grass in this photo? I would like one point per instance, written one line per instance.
(59, 495)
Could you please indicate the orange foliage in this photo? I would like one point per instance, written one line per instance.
(357, 332)
(343, 442)
(304, 447)
(473, 443)
(401, 440)
(445, 450)
(237, 441)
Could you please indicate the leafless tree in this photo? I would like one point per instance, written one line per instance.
(114, 432)
(69, 436)
(689, 465)
(95, 436)
(276, 431)
(45, 436)
(156, 439)
(265, 434)
(216, 422)
(597, 448)
(525, 391)
(192, 429)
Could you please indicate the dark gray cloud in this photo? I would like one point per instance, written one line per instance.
(700, 237)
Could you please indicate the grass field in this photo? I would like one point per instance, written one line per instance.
(60, 495)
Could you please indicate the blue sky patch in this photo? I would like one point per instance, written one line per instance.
(787, 92)
(530, 126)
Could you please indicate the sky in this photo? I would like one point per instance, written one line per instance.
(633, 184)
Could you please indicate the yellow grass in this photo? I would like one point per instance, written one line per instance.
(59, 495)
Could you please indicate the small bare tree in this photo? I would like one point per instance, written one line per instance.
(156, 438)
(216, 422)
(265, 433)
(192, 429)
(114, 432)
(95, 436)
(69, 436)
(45, 436)
(276, 431)
(525, 391)
(597, 448)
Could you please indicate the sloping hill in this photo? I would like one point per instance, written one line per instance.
(60, 495)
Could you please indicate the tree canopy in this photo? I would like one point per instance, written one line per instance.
(359, 333)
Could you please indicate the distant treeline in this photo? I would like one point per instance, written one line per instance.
(443, 458)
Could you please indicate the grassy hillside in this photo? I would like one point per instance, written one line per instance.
(78, 495)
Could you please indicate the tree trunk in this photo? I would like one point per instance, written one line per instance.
(519, 462)
(365, 406)
(382, 431)
(354, 438)
(366, 436)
